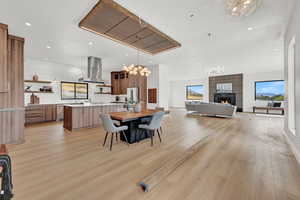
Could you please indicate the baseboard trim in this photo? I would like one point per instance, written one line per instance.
(293, 148)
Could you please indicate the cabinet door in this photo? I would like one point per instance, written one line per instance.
(124, 80)
(59, 112)
(115, 83)
(48, 113)
(3, 59)
(77, 118)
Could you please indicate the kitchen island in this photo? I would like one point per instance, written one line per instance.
(87, 115)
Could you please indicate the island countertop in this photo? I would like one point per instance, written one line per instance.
(93, 105)
(87, 115)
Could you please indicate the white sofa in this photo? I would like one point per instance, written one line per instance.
(211, 109)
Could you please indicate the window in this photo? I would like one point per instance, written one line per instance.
(269, 90)
(72, 90)
(194, 92)
(291, 87)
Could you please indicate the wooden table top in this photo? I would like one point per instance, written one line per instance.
(127, 116)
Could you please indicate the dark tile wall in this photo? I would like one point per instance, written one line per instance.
(237, 87)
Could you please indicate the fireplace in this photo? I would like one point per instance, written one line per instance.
(226, 98)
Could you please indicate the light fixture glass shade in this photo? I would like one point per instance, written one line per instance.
(242, 7)
(135, 70)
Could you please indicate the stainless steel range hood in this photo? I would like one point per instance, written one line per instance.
(94, 73)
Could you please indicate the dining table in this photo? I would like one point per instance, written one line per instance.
(132, 120)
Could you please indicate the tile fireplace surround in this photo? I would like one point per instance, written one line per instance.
(237, 87)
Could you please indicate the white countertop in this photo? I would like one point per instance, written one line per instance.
(92, 105)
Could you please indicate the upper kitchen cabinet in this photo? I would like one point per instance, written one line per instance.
(121, 80)
(115, 83)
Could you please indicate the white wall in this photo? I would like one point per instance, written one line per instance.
(50, 71)
(294, 30)
(159, 79)
(164, 86)
(178, 91)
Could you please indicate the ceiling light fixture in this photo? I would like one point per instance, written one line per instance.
(250, 28)
(137, 69)
(91, 43)
(242, 7)
(27, 24)
(48, 47)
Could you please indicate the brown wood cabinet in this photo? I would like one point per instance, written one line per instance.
(11, 88)
(76, 117)
(3, 58)
(40, 113)
(121, 80)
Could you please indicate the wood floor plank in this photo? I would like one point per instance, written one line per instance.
(248, 159)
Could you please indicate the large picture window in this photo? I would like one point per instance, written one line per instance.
(194, 92)
(72, 90)
(269, 90)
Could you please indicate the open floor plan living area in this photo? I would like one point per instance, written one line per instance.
(149, 100)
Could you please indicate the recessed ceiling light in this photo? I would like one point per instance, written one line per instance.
(126, 54)
(27, 24)
(191, 15)
(48, 47)
(91, 43)
(250, 28)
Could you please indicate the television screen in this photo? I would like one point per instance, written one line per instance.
(269, 90)
(194, 92)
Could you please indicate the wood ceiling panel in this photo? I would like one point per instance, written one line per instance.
(113, 21)
(149, 41)
(102, 18)
(143, 33)
(125, 29)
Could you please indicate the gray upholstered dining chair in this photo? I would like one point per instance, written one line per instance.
(110, 127)
(154, 125)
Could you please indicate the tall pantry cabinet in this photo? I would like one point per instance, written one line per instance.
(11, 87)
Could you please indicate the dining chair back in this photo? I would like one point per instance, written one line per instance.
(110, 127)
(156, 121)
(154, 125)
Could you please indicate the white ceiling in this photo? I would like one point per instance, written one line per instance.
(55, 23)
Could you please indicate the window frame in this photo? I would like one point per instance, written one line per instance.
(255, 85)
(186, 92)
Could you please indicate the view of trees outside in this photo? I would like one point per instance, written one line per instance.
(194, 92)
(270, 90)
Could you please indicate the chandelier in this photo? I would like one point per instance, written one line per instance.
(137, 69)
(242, 7)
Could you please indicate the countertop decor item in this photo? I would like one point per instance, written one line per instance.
(138, 108)
(35, 77)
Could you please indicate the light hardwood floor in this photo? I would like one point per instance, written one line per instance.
(248, 159)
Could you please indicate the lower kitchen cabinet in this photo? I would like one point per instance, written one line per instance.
(40, 113)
